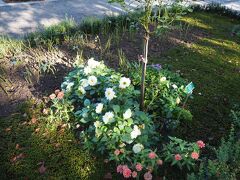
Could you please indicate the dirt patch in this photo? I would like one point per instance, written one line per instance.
(22, 77)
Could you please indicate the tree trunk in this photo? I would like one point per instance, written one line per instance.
(144, 68)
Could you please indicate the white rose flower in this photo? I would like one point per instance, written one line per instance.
(97, 124)
(109, 94)
(163, 79)
(82, 90)
(84, 83)
(69, 86)
(92, 80)
(136, 132)
(137, 148)
(99, 108)
(108, 116)
(174, 86)
(124, 82)
(129, 142)
(87, 70)
(92, 63)
(178, 100)
(127, 114)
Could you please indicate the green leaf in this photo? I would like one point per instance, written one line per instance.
(87, 102)
(116, 108)
(128, 129)
(84, 120)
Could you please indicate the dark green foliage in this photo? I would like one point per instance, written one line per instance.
(160, 96)
(217, 8)
(225, 164)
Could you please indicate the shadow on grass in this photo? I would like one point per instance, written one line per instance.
(212, 63)
(25, 143)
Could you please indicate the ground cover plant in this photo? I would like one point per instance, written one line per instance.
(204, 44)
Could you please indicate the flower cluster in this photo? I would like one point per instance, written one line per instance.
(106, 107)
(182, 153)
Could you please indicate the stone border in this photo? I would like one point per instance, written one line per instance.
(3, 4)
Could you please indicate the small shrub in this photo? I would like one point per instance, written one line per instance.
(181, 153)
(106, 111)
(225, 164)
(165, 95)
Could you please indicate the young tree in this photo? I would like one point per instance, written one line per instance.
(155, 16)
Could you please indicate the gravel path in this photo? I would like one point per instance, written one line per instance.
(18, 19)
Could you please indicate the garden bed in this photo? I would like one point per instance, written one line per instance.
(203, 51)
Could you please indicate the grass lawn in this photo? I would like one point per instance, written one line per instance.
(213, 64)
(211, 61)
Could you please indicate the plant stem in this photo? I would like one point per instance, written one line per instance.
(144, 68)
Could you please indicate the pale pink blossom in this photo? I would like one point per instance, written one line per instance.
(200, 144)
(120, 169)
(117, 152)
(195, 155)
(152, 155)
(52, 96)
(134, 174)
(147, 176)
(139, 167)
(178, 157)
(127, 172)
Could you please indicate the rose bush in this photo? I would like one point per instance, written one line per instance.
(165, 94)
(106, 108)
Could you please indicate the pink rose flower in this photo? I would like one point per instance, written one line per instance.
(178, 157)
(127, 172)
(152, 155)
(200, 144)
(195, 155)
(52, 96)
(117, 152)
(60, 95)
(120, 169)
(134, 174)
(57, 91)
(159, 162)
(138, 167)
(147, 176)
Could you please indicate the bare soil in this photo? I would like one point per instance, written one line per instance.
(18, 86)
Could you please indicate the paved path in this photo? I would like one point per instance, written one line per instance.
(18, 19)
(22, 18)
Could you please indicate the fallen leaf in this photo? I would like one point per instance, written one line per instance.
(17, 157)
(45, 111)
(33, 120)
(106, 161)
(57, 145)
(24, 123)
(108, 176)
(37, 130)
(64, 125)
(8, 129)
(42, 169)
(17, 146)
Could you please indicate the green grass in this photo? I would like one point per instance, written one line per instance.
(212, 63)
(63, 156)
